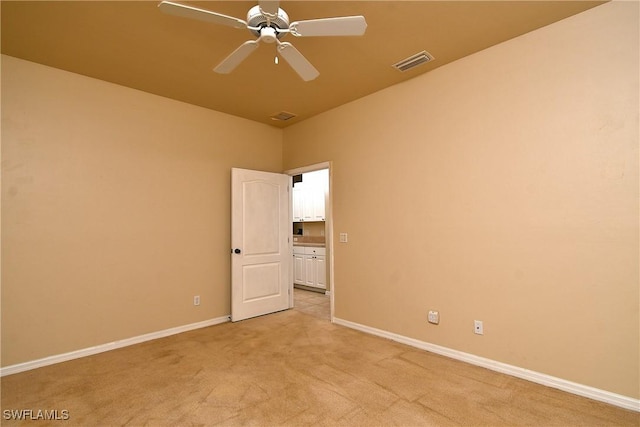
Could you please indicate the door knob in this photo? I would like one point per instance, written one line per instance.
(236, 250)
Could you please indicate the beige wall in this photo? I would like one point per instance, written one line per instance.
(502, 187)
(115, 210)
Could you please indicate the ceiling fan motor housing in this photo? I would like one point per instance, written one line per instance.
(255, 18)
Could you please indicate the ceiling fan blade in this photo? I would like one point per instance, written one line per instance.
(297, 61)
(237, 56)
(269, 7)
(185, 11)
(341, 26)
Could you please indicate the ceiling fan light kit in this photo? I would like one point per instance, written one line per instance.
(257, 18)
(269, 23)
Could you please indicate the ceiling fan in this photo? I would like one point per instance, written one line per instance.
(269, 24)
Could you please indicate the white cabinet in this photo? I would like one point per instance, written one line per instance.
(298, 202)
(308, 203)
(309, 270)
(321, 272)
(317, 204)
(309, 266)
(298, 265)
(309, 196)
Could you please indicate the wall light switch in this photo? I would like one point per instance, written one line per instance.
(343, 237)
(434, 317)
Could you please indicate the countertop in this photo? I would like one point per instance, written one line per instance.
(313, 245)
(311, 241)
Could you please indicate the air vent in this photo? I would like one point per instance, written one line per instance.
(413, 61)
(283, 116)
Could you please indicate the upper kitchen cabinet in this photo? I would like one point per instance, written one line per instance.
(309, 196)
(298, 202)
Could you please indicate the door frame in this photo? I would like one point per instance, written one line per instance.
(328, 227)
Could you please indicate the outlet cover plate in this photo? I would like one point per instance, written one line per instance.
(478, 328)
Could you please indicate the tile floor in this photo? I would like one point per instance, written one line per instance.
(312, 303)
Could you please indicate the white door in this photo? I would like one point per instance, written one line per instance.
(298, 269)
(318, 204)
(307, 204)
(309, 270)
(321, 272)
(260, 227)
(298, 196)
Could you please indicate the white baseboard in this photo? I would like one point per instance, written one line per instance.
(533, 376)
(21, 367)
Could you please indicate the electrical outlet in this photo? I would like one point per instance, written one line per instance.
(434, 317)
(196, 300)
(343, 237)
(477, 327)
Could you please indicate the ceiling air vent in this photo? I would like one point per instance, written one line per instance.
(413, 61)
(283, 116)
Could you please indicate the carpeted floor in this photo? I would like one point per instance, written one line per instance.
(290, 368)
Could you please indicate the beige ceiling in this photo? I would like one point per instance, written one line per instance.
(132, 43)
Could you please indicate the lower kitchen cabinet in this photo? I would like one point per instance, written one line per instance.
(309, 266)
(298, 268)
(320, 271)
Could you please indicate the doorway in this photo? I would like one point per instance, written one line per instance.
(311, 240)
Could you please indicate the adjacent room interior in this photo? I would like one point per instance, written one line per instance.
(499, 186)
